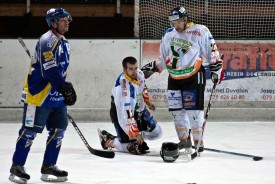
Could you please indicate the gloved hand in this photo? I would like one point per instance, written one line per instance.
(149, 69)
(216, 71)
(68, 92)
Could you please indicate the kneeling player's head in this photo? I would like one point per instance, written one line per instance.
(130, 67)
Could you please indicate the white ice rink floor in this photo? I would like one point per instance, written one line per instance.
(254, 138)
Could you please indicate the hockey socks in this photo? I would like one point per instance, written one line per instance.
(54, 142)
(23, 146)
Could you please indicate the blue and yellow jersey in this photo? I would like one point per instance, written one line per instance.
(47, 72)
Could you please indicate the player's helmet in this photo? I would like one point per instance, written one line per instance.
(169, 151)
(54, 14)
(177, 13)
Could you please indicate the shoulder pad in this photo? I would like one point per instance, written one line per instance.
(48, 41)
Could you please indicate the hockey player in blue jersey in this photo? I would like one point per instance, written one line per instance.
(46, 95)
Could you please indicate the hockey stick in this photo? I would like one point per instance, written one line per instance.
(255, 158)
(24, 46)
(195, 154)
(105, 154)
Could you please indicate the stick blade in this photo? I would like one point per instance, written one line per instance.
(194, 155)
(104, 154)
(257, 158)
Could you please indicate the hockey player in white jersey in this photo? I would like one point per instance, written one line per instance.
(183, 48)
(132, 120)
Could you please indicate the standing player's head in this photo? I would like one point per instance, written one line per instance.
(178, 18)
(130, 67)
(58, 19)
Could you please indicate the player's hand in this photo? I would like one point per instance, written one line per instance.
(68, 92)
(216, 71)
(139, 139)
(151, 106)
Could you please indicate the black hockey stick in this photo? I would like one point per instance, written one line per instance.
(100, 153)
(105, 154)
(195, 154)
(255, 158)
(24, 46)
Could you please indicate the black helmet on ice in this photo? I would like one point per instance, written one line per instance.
(169, 151)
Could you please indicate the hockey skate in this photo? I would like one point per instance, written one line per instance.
(51, 173)
(18, 174)
(201, 147)
(186, 144)
(105, 138)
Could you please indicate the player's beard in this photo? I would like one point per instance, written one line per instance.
(134, 76)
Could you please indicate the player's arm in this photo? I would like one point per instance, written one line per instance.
(213, 56)
(157, 65)
(146, 99)
(54, 72)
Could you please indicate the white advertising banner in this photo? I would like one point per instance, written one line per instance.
(249, 70)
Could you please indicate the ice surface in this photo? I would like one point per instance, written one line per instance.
(255, 138)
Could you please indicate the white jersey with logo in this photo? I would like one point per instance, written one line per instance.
(128, 98)
(182, 53)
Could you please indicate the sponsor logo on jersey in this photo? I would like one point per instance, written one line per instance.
(49, 65)
(51, 41)
(48, 56)
(195, 32)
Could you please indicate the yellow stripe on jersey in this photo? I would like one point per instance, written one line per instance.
(38, 98)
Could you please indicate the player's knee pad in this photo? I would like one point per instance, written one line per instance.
(137, 149)
(147, 122)
(155, 134)
(27, 136)
(57, 135)
(182, 123)
(196, 118)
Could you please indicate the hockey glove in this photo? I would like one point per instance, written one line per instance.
(216, 71)
(138, 149)
(149, 69)
(68, 92)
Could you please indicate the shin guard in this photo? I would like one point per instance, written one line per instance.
(54, 142)
(23, 146)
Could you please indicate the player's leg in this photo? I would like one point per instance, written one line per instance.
(196, 121)
(196, 114)
(56, 126)
(147, 125)
(180, 118)
(121, 142)
(33, 122)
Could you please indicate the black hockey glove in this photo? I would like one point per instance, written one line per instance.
(68, 92)
(216, 71)
(149, 69)
(138, 149)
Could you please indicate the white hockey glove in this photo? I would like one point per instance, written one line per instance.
(149, 69)
(216, 71)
